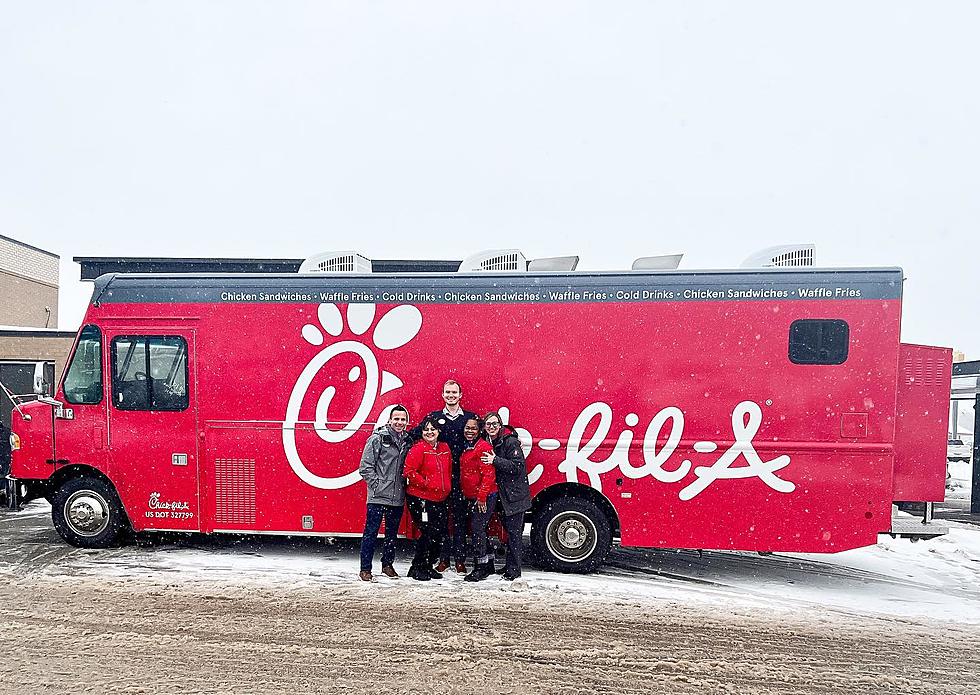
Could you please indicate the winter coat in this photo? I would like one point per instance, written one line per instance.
(429, 471)
(450, 431)
(477, 479)
(381, 467)
(511, 469)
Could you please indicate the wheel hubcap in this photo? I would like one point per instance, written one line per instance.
(87, 513)
(571, 536)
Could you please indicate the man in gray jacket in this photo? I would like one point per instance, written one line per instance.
(381, 467)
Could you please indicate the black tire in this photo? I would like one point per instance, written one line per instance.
(572, 535)
(86, 512)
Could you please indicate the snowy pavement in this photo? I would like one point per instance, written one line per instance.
(938, 579)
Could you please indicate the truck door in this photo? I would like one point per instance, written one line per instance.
(153, 426)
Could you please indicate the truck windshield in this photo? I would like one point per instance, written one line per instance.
(83, 380)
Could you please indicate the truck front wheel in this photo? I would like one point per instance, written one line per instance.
(86, 512)
(571, 534)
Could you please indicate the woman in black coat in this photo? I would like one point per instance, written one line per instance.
(515, 492)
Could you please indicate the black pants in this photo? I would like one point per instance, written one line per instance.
(479, 522)
(392, 517)
(433, 529)
(514, 525)
(460, 509)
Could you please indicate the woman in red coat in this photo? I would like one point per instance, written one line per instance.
(479, 483)
(428, 481)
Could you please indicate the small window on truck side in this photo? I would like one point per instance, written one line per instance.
(83, 379)
(818, 341)
(149, 373)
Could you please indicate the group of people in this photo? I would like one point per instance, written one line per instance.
(453, 466)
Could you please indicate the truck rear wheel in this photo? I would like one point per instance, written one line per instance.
(571, 534)
(86, 512)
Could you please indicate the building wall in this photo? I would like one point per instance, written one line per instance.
(24, 302)
(37, 349)
(28, 285)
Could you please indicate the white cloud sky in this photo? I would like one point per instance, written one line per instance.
(433, 130)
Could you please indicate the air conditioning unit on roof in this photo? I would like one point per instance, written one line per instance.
(789, 256)
(511, 260)
(336, 262)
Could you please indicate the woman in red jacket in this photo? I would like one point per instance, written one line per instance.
(428, 478)
(479, 484)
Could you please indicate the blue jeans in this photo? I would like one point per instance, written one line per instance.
(392, 517)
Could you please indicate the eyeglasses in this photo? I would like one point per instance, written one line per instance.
(490, 425)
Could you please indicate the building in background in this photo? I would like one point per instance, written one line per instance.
(28, 285)
(29, 320)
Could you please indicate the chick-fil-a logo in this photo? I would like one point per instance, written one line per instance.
(402, 323)
(746, 420)
(397, 327)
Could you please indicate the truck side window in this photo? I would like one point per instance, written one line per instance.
(149, 373)
(818, 341)
(83, 380)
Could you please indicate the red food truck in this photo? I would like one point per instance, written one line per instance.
(758, 410)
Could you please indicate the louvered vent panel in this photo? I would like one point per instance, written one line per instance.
(235, 491)
(341, 264)
(793, 259)
(510, 261)
(924, 371)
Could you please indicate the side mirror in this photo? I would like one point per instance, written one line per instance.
(39, 378)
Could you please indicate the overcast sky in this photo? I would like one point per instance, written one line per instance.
(433, 130)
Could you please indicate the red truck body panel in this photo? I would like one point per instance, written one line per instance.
(670, 394)
(924, 379)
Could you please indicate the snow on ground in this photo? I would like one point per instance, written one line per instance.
(936, 579)
(959, 475)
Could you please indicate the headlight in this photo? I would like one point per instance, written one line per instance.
(14, 441)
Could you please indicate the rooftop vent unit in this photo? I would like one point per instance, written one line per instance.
(666, 262)
(507, 260)
(336, 262)
(791, 256)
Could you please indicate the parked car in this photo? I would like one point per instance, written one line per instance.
(957, 450)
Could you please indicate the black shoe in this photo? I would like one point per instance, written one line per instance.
(433, 574)
(501, 570)
(507, 576)
(479, 573)
(418, 573)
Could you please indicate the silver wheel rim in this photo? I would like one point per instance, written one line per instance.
(571, 536)
(87, 513)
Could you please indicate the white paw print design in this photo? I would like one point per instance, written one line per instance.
(394, 329)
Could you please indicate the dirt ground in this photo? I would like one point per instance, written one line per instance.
(139, 636)
(110, 621)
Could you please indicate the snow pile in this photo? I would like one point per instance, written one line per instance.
(959, 475)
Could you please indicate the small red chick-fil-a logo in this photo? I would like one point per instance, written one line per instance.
(155, 503)
(397, 327)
